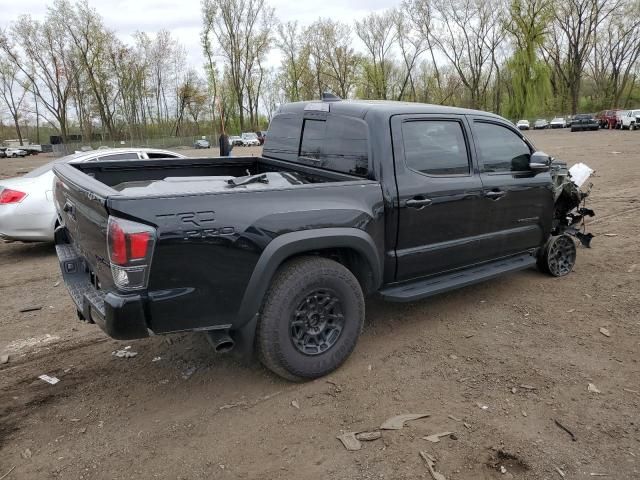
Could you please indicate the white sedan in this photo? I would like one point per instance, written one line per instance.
(15, 152)
(523, 125)
(27, 211)
(558, 122)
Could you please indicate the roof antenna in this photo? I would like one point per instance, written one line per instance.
(330, 97)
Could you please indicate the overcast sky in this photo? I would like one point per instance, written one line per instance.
(182, 17)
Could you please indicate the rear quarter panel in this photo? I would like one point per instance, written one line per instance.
(208, 245)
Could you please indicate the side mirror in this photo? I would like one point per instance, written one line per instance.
(539, 162)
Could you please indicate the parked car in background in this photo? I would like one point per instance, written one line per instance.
(584, 121)
(202, 143)
(620, 114)
(523, 125)
(27, 212)
(607, 118)
(631, 120)
(15, 152)
(261, 136)
(2, 153)
(558, 122)
(540, 124)
(250, 139)
(235, 141)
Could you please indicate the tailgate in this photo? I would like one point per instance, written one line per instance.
(82, 211)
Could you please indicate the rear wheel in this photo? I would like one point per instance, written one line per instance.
(632, 126)
(558, 256)
(311, 319)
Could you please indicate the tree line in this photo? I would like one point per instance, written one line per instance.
(70, 74)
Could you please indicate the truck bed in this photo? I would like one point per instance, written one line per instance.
(150, 178)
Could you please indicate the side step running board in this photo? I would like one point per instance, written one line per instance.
(419, 289)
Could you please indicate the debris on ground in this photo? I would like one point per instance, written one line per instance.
(233, 405)
(431, 465)
(48, 379)
(350, 441)
(455, 419)
(483, 407)
(599, 474)
(467, 425)
(593, 389)
(560, 472)
(528, 387)
(7, 474)
(186, 374)
(369, 436)
(397, 422)
(4, 358)
(632, 268)
(156, 359)
(30, 309)
(605, 332)
(295, 404)
(573, 436)
(435, 438)
(628, 390)
(124, 353)
(56, 284)
(26, 453)
(503, 469)
(610, 234)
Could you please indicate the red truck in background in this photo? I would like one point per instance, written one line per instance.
(607, 118)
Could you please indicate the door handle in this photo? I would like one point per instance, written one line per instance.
(495, 194)
(418, 202)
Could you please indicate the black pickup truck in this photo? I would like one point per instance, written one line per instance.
(276, 253)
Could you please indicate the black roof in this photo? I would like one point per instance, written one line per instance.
(383, 108)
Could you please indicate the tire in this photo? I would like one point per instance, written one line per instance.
(558, 256)
(301, 289)
(632, 127)
(573, 129)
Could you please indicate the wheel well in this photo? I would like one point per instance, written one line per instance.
(352, 259)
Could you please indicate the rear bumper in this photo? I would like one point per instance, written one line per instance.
(120, 316)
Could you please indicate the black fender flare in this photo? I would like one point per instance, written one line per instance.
(290, 244)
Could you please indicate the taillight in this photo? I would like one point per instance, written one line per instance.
(11, 196)
(130, 246)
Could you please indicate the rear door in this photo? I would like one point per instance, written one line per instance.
(440, 195)
(517, 203)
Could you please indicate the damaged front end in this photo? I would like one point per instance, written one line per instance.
(570, 200)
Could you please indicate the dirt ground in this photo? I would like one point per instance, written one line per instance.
(496, 363)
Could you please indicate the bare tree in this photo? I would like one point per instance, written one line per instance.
(43, 57)
(571, 40)
(242, 29)
(12, 92)
(379, 33)
(467, 36)
(616, 52)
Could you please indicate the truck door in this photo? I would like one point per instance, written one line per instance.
(440, 198)
(517, 203)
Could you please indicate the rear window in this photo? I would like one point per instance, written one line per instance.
(331, 142)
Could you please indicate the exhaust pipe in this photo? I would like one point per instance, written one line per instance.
(221, 341)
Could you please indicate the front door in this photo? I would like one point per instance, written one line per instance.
(440, 195)
(517, 203)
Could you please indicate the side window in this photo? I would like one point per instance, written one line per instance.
(313, 138)
(500, 149)
(121, 156)
(435, 147)
(283, 137)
